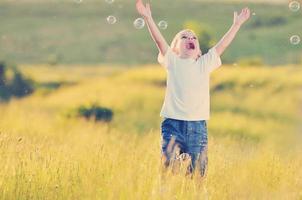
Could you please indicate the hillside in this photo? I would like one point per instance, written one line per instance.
(66, 32)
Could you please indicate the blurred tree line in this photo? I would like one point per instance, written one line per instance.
(13, 83)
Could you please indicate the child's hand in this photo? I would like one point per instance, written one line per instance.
(143, 10)
(244, 16)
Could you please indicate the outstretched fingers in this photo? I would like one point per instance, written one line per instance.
(246, 11)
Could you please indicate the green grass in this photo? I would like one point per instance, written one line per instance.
(67, 32)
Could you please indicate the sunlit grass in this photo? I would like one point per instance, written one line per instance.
(254, 136)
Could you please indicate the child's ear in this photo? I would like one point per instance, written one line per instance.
(175, 49)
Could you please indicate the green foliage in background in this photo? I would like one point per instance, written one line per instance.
(57, 32)
(13, 83)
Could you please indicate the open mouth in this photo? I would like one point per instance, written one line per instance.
(190, 46)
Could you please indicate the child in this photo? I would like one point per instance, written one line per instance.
(187, 101)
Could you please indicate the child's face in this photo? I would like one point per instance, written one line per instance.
(188, 45)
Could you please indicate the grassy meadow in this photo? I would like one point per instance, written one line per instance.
(76, 58)
(254, 136)
(65, 32)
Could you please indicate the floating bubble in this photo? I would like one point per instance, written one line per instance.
(109, 1)
(251, 85)
(295, 39)
(111, 19)
(139, 23)
(163, 24)
(294, 6)
(78, 1)
(254, 13)
(235, 64)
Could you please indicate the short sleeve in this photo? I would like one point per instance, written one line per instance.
(211, 60)
(167, 59)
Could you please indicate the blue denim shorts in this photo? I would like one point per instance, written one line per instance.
(190, 137)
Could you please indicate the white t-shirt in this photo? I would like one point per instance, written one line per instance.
(187, 94)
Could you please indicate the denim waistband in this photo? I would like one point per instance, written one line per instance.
(184, 120)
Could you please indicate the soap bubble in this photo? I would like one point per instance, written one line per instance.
(139, 23)
(163, 24)
(109, 1)
(294, 6)
(295, 39)
(111, 19)
(254, 13)
(78, 1)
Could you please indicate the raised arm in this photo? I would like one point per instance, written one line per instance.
(230, 35)
(145, 11)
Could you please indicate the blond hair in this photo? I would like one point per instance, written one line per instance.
(177, 37)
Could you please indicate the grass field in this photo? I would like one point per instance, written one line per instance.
(254, 136)
(57, 31)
